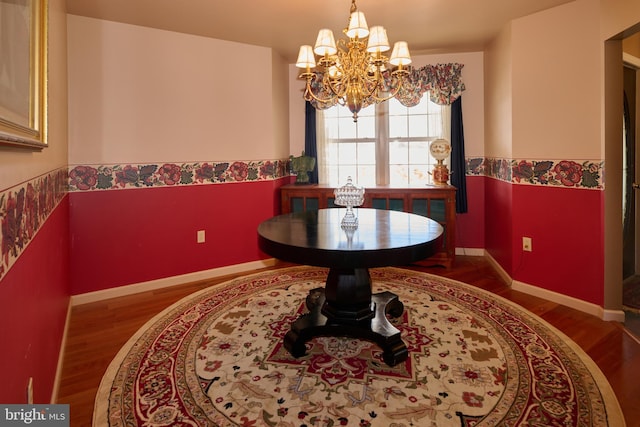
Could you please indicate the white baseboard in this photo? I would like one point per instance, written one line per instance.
(63, 345)
(590, 308)
(575, 303)
(135, 288)
(612, 315)
(566, 300)
(501, 271)
(470, 251)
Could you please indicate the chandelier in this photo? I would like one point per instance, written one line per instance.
(355, 72)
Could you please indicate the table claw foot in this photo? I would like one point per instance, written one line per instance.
(294, 345)
(394, 354)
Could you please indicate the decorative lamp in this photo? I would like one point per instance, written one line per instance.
(440, 150)
(349, 196)
(354, 72)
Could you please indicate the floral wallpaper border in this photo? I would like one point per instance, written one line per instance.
(25, 207)
(586, 174)
(106, 177)
(23, 210)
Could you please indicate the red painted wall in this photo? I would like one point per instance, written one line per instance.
(470, 225)
(34, 296)
(498, 221)
(121, 237)
(566, 229)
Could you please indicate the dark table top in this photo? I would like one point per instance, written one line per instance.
(383, 238)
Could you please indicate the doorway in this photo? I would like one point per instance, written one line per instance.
(630, 180)
(628, 173)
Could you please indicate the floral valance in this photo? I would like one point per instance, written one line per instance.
(442, 81)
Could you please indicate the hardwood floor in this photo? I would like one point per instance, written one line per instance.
(98, 330)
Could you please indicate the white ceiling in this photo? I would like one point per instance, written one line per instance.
(429, 26)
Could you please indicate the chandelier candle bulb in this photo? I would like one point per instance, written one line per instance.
(353, 72)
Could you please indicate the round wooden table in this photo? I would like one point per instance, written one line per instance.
(346, 305)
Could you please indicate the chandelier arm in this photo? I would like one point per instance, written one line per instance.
(309, 95)
(334, 85)
(376, 83)
(401, 77)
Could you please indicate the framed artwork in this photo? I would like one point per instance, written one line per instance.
(23, 73)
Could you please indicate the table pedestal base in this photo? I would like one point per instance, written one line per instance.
(375, 327)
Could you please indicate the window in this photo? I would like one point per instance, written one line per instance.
(389, 145)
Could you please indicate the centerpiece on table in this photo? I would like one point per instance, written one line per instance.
(349, 196)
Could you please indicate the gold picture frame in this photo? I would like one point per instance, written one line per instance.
(23, 73)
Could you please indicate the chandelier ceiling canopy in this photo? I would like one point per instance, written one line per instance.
(354, 72)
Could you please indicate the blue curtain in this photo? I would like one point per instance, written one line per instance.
(310, 146)
(458, 164)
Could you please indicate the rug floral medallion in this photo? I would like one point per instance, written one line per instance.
(216, 358)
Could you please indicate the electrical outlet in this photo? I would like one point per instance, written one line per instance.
(201, 236)
(526, 244)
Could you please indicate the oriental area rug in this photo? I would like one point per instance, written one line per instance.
(216, 358)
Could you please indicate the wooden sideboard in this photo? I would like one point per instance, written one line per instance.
(435, 202)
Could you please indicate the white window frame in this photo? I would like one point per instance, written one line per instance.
(382, 144)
